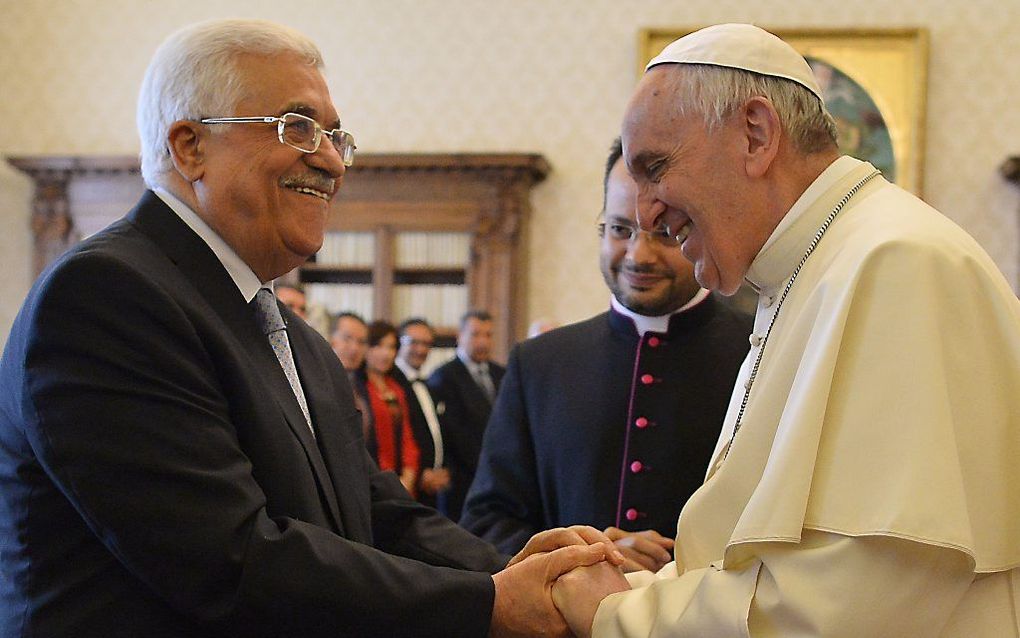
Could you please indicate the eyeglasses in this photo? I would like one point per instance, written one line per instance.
(300, 132)
(661, 234)
(408, 340)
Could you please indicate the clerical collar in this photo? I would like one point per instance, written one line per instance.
(412, 374)
(660, 323)
(239, 272)
(765, 272)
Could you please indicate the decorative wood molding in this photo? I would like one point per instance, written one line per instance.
(487, 195)
(52, 223)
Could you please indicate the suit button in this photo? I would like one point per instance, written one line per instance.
(755, 340)
(641, 422)
(647, 379)
(653, 342)
(636, 467)
(632, 514)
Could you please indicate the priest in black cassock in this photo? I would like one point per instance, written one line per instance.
(611, 422)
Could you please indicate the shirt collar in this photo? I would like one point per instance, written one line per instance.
(241, 274)
(660, 323)
(412, 374)
(763, 272)
(470, 363)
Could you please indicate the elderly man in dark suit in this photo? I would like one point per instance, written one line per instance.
(179, 454)
(465, 388)
(611, 421)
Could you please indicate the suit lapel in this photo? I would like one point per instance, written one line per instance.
(200, 265)
(333, 438)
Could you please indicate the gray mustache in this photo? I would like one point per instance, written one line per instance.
(316, 182)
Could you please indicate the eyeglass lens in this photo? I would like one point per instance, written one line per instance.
(305, 134)
(624, 232)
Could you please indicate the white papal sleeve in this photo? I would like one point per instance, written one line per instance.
(828, 585)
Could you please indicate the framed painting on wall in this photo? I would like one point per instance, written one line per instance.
(874, 82)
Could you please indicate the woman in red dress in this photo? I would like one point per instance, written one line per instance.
(397, 450)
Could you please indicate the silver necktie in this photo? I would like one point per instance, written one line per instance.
(271, 322)
(485, 380)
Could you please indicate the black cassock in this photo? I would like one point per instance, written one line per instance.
(596, 425)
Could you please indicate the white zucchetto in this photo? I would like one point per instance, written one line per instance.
(740, 46)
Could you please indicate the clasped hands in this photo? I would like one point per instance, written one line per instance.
(555, 584)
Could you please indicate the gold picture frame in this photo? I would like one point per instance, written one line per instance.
(888, 66)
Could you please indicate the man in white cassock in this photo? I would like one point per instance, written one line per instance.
(866, 480)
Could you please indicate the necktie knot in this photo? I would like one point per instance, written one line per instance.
(267, 312)
(484, 381)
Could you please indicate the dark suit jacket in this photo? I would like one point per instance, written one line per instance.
(157, 477)
(465, 411)
(564, 436)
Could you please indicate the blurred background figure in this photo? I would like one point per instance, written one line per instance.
(416, 341)
(294, 298)
(349, 340)
(396, 447)
(464, 389)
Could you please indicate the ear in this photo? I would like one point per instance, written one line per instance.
(763, 133)
(186, 141)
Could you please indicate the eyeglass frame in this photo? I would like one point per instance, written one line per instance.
(408, 340)
(661, 235)
(282, 123)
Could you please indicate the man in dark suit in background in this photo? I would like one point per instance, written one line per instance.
(180, 455)
(348, 336)
(611, 421)
(416, 341)
(465, 388)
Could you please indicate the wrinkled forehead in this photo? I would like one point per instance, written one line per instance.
(650, 111)
(286, 83)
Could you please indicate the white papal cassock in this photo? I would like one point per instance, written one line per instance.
(873, 488)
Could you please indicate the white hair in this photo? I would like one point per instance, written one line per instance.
(194, 74)
(716, 92)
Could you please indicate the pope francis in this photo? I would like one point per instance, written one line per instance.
(866, 481)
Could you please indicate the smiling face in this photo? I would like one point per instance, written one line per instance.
(269, 201)
(415, 345)
(693, 181)
(644, 275)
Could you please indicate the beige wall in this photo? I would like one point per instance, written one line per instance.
(495, 75)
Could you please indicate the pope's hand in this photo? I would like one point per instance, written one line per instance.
(647, 549)
(577, 594)
(523, 605)
(552, 539)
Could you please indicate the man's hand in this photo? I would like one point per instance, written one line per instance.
(408, 477)
(578, 593)
(642, 550)
(524, 605)
(433, 480)
(555, 538)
